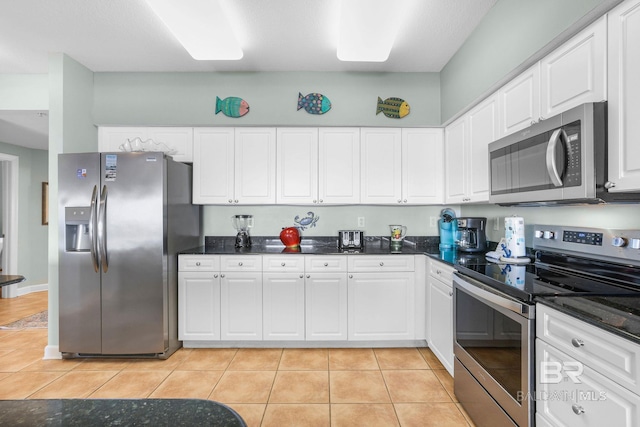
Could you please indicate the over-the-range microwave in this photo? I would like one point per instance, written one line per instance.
(562, 159)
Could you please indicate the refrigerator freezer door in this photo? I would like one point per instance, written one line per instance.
(79, 283)
(134, 286)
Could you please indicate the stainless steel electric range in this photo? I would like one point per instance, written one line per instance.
(593, 274)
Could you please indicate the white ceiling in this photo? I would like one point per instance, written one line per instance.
(276, 35)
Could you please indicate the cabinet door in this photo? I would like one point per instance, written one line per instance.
(283, 306)
(241, 306)
(381, 163)
(213, 171)
(110, 138)
(624, 97)
(422, 166)
(455, 159)
(176, 138)
(381, 306)
(576, 72)
(255, 165)
(297, 176)
(198, 306)
(326, 306)
(482, 127)
(339, 166)
(519, 102)
(440, 321)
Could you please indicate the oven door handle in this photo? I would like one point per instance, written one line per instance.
(470, 286)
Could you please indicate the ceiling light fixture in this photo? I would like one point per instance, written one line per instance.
(200, 26)
(368, 29)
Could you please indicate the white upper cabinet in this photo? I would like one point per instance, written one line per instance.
(180, 139)
(339, 165)
(576, 72)
(381, 165)
(624, 96)
(318, 166)
(401, 166)
(519, 102)
(422, 166)
(234, 166)
(467, 154)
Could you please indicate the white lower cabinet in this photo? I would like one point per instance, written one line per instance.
(241, 306)
(198, 306)
(283, 306)
(381, 306)
(326, 306)
(440, 312)
(585, 376)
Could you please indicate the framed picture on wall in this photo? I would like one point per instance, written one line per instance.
(45, 203)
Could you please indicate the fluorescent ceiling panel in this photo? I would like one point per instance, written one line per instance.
(200, 26)
(368, 29)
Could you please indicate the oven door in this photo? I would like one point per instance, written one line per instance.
(493, 347)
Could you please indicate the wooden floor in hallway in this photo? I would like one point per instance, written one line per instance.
(267, 387)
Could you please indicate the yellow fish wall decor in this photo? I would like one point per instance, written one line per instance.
(394, 108)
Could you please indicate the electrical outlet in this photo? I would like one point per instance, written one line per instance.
(433, 221)
(496, 224)
(360, 221)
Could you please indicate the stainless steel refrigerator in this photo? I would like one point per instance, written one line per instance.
(123, 217)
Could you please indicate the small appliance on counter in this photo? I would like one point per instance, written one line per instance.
(471, 234)
(350, 240)
(448, 227)
(242, 223)
(513, 249)
(398, 233)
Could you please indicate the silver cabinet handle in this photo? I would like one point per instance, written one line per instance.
(577, 409)
(326, 264)
(320, 200)
(302, 276)
(235, 201)
(215, 276)
(438, 272)
(198, 264)
(399, 201)
(450, 293)
(222, 276)
(282, 264)
(315, 201)
(240, 263)
(230, 201)
(577, 343)
(308, 275)
(381, 264)
(351, 276)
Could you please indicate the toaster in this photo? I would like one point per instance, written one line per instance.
(350, 239)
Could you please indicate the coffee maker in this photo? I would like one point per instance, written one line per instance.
(471, 234)
(242, 224)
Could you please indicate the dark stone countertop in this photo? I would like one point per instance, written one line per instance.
(10, 279)
(117, 412)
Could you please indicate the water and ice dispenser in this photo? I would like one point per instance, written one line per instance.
(77, 234)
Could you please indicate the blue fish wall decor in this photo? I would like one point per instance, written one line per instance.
(314, 103)
(232, 106)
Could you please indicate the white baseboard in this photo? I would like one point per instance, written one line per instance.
(52, 352)
(32, 288)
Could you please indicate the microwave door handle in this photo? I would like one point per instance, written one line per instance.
(552, 167)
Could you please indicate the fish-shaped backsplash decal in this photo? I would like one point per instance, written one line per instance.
(314, 103)
(394, 108)
(232, 106)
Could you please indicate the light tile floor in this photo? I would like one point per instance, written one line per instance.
(267, 387)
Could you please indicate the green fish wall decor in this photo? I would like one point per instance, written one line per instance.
(394, 108)
(232, 106)
(314, 103)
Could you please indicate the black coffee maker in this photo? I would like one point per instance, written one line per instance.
(471, 235)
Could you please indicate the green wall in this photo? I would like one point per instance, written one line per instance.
(188, 99)
(24, 92)
(32, 235)
(512, 32)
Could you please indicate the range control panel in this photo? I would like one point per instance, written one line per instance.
(605, 244)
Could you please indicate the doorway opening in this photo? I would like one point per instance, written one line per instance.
(9, 231)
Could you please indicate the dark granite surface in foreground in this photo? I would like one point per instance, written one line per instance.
(117, 412)
(10, 279)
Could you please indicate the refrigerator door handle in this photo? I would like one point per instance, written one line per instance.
(102, 230)
(93, 225)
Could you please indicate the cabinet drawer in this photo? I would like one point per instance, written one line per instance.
(612, 356)
(442, 271)
(325, 263)
(359, 263)
(199, 263)
(571, 394)
(289, 263)
(241, 263)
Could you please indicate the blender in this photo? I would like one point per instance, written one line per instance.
(242, 223)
